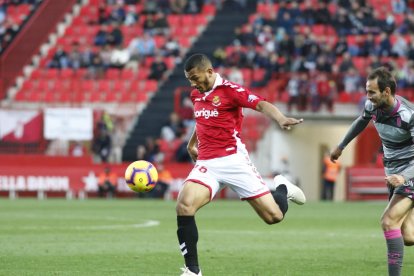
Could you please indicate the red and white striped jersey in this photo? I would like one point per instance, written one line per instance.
(219, 114)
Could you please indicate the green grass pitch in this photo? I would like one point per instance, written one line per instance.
(138, 237)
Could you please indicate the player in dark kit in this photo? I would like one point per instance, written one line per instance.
(393, 117)
(222, 159)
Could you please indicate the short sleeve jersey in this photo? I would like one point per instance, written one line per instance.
(219, 114)
(396, 129)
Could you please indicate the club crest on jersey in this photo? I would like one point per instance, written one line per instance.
(216, 101)
(252, 98)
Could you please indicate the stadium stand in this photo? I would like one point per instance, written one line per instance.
(303, 54)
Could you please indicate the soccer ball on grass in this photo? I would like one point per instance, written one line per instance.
(141, 176)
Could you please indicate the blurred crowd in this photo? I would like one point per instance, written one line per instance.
(13, 14)
(322, 48)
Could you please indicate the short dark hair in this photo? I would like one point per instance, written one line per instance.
(384, 78)
(196, 60)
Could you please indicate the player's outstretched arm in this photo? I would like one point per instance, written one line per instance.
(356, 128)
(335, 154)
(274, 113)
(192, 146)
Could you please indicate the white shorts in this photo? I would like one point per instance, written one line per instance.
(235, 171)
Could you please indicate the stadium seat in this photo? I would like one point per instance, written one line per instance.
(112, 73)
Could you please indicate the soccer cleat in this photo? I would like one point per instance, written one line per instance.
(187, 272)
(294, 193)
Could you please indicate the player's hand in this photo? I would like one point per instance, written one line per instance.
(193, 152)
(335, 154)
(395, 180)
(287, 123)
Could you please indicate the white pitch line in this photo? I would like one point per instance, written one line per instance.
(148, 223)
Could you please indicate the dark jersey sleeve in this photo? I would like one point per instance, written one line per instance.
(358, 125)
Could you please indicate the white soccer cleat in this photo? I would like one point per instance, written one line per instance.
(187, 272)
(294, 193)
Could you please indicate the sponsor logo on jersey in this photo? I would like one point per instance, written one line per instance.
(216, 101)
(252, 98)
(206, 113)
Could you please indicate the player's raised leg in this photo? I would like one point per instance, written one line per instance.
(191, 198)
(270, 211)
(391, 222)
(294, 193)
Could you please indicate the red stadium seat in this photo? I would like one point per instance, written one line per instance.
(112, 73)
(151, 86)
(127, 74)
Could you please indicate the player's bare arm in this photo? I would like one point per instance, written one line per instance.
(192, 146)
(274, 113)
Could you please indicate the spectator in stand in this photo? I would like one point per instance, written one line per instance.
(161, 26)
(96, 69)
(293, 91)
(286, 46)
(178, 6)
(103, 13)
(326, 91)
(107, 183)
(341, 46)
(286, 22)
(235, 75)
(246, 36)
(105, 53)
(186, 113)
(115, 37)
(323, 64)
(352, 81)
(152, 150)
(346, 63)
(118, 14)
(341, 22)
(400, 46)
(75, 56)
(119, 57)
(131, 16)
(149, 23)
(237, 57)
(308, 13)
(60, 59)
(101, 146)
(141, 47)
(373, 61)
(158, 68)
(101, 37)
(322, 14)
(266, 38)
(173, 129)
(171, 47)
(219, 57)
(368, 45)
(271, 68)
(399, 6)
(384, 46)
(87, 57)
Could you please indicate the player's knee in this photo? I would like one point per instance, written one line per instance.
(273, 218)
(184, 209)
(408, 239)
(387, 223)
